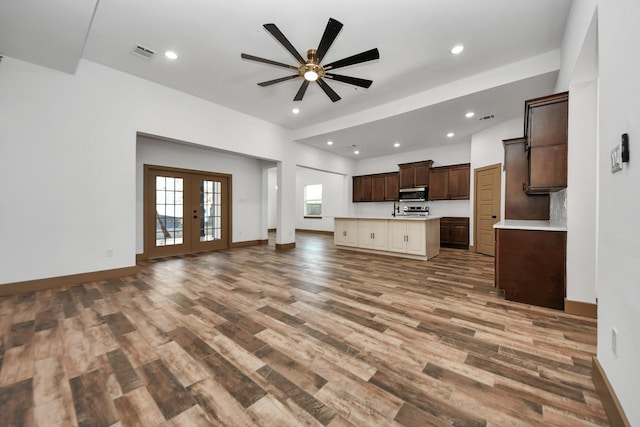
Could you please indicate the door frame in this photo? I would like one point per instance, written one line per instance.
(475, 200)
(149, 219)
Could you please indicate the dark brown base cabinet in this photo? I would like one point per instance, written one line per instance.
(454, 232)
(530, 266)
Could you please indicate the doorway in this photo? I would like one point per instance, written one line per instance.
(487, 208)
(185, 211)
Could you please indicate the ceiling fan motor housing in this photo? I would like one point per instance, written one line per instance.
(311, 70)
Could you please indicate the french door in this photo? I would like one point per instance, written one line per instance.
(185, 211)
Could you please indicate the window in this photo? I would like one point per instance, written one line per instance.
(313, 200)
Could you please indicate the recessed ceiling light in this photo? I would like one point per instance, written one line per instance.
(457, 49)
(450, 135)
(295, 110)
(470, 114)
(356, 152)
(397, 144)
(329, 142)
(171, 54)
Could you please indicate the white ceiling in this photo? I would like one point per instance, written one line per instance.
(413, 36)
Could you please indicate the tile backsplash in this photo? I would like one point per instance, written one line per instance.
(558, 208)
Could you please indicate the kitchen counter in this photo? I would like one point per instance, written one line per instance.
(515, 224)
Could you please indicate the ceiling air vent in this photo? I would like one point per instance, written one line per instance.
(143, 52)
(487, 117)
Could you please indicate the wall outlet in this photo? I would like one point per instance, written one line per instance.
(109, 253)
(614, 341)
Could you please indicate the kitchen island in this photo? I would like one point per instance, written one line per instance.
(415, 237)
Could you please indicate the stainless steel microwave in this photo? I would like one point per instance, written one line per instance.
(413, 194)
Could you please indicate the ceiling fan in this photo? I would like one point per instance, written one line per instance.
(310, 69)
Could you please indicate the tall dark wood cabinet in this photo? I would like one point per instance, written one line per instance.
(530, 266)
(414, 174)
(518, 204)
(546, 131)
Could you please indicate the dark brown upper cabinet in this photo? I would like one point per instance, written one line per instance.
(416, 174)
(375, 188)
(362, 188)
(518, 204)
(449, 182)
(546, 133)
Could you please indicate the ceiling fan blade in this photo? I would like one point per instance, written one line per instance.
(351, 80)
(330, 93)
(368, 55)
(281, 79)
(267, 61)
(330, 34)
(301, 91)
(275, 32)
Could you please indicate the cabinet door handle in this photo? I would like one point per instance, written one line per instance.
(493, 216)
(524, 186)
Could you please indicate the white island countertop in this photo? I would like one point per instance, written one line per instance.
(397, 217)
(518, 224)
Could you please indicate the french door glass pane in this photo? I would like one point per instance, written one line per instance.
(210, 211)
(169, 211)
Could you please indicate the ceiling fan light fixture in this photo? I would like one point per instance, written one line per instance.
(311, 76)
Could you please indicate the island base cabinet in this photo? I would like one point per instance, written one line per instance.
(345, 232)
(530, 266)
(372, 234)
(416, 239)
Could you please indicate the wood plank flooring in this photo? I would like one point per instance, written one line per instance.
(312, 336)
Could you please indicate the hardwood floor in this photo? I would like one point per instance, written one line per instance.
(311, 336)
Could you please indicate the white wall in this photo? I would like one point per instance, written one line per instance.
(618, 267)
(581, 193)
(578, 24)
(72, 141)
(272, 191)
(332, 198)
(487, 150)
(246, 180)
